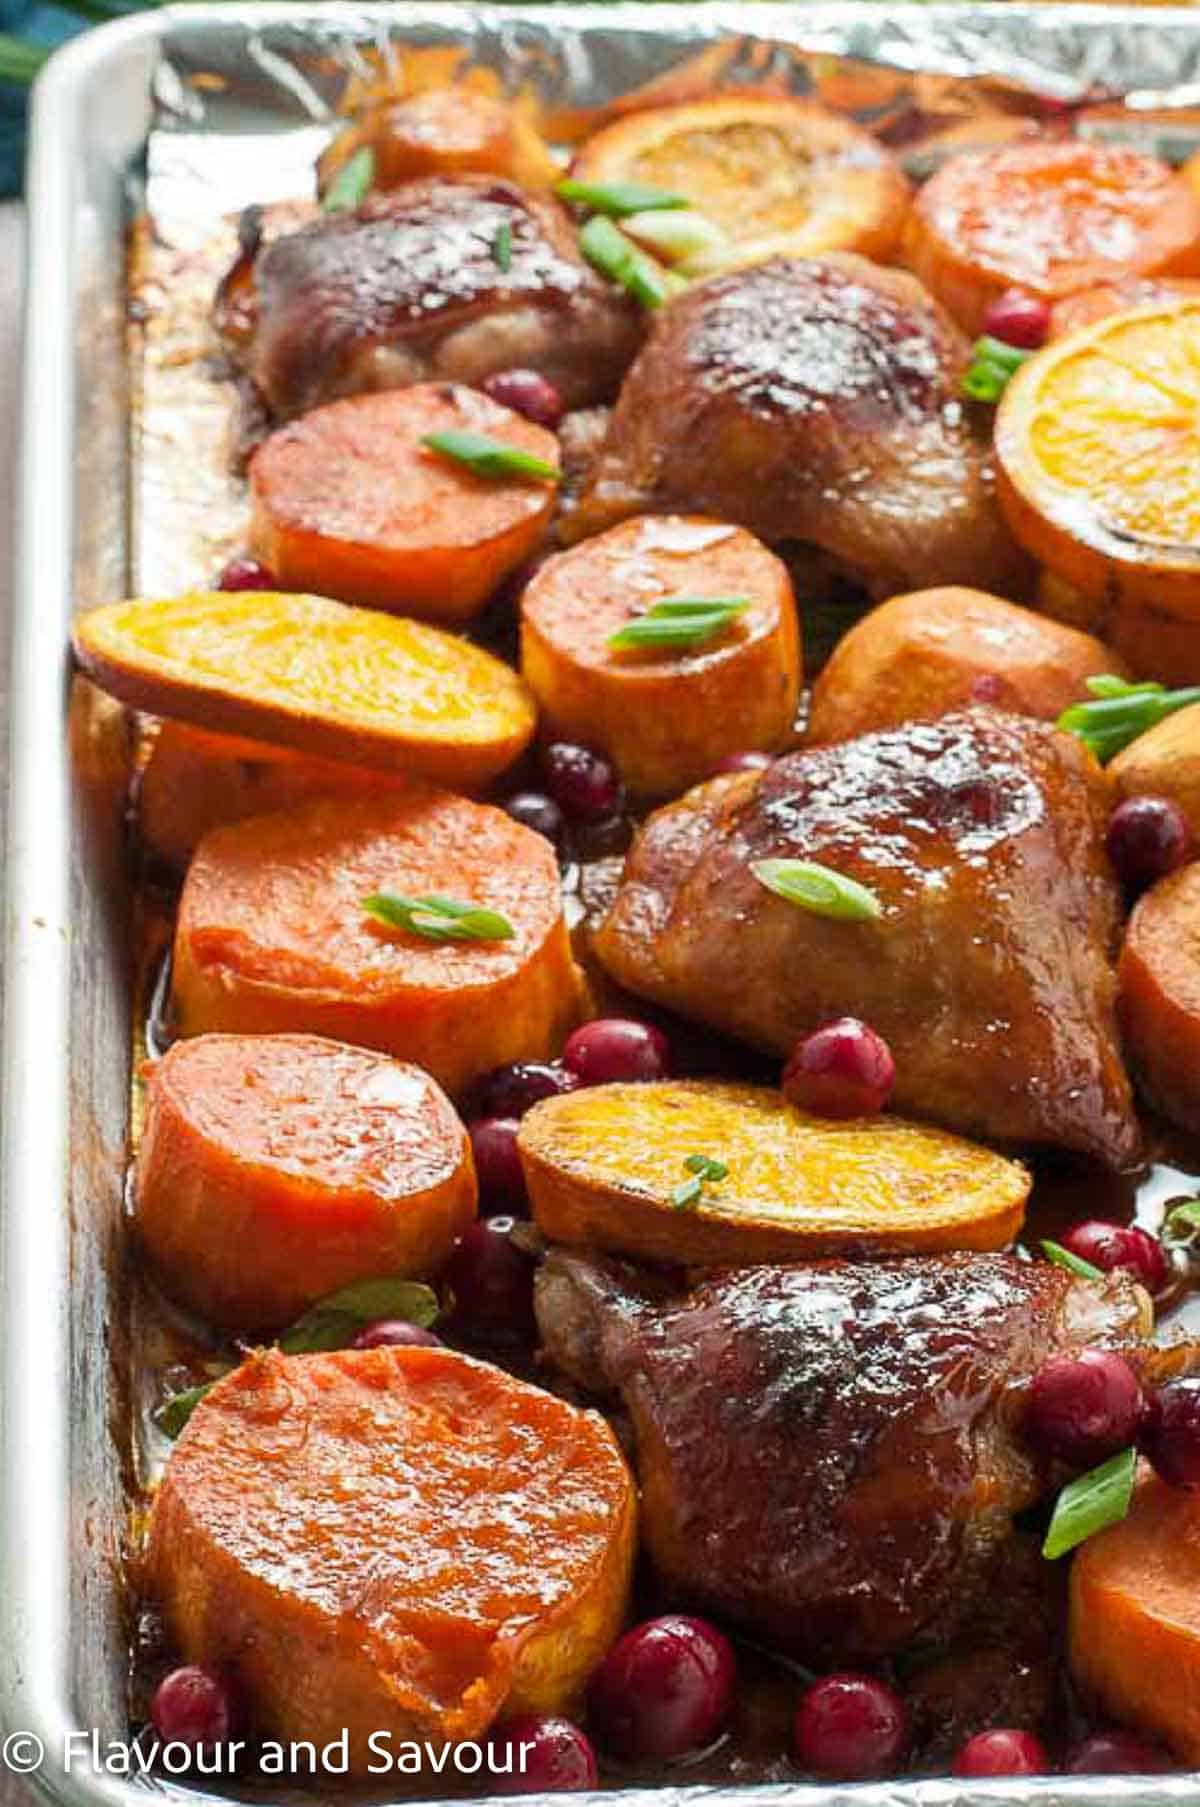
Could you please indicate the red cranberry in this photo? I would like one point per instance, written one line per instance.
(583, 784)
(246, 574)
(541, 1754)
(849, 1728)
(194, 1706)
(497, 1163)
(986, 687)
(1019, 319)
(1147, 838)
(842, 1070)
(533, 809)
(512, 1090)
(526, 392)
(617, 1048)
(1083, 1408)
(1003, 1752)
(395, 1333)
(666, 1687)
(491, 1280)
(744, 762)
(1113, 1245)
(1116, 1754)
(1169, 1433)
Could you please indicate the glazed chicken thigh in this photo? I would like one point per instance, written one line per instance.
(830, 1454)
(988, 970)
(816, 401)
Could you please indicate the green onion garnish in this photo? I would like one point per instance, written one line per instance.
(681, 621)
(608, 250)
(1182, 1223)
(1096, 1500)
(438, 918)
(993, 365)
(703, 1170)
(1120, 712)
(818, 888)
(350, 186)
(616, 199)
(489, 457)
(173, 1413)
(1054, 1251)
(502, 246)
(334, 1321)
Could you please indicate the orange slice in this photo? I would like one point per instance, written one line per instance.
(1098, 452)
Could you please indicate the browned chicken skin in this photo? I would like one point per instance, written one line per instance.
(408, 288)
(830, 1455)
(988, 971)
(817, 401)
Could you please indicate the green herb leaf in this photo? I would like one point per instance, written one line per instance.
(352, 183)
(19, 62)
(1093, 1502)
(1182, 1223)
(1075, 1264)
(1120, 712)
(993, 364)
(173, 1413)
(608, 250)
(818, 888)
(502, 246)
(438, 918)
(489, 457)
(619, 198)
(334, 1321)
(704, 1170)
(681, 621)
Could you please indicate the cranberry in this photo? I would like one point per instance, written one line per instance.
(492, 1283)
(842, 1070)
(986, 687)
(497, 1163)
(1170, 1432)
(395, 1333)
(533, 809)
(542, 1755)
(246, 574)
(849, 1727)
(526, 392)
(1115, 1754)
(583, 784)
(664, 1688)
(1004, 1752)
(194, 1706)
(1083, 1408)
(1019, 319)
(512, 1090)
(1113, 1245)
(1147, 838)
(615, 1048)
(744, 762)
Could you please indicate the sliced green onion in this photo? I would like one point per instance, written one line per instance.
(1181, 1224)
(336, 1320)
(616, 199)
(608, 250)
(818, 888)
(438, 918)
(489, 457)
(1119, 713)
(1105, 684)
(352, 183)
(681, 621)
(19, 62)
(1054, 1251)
(687, 239)
(502, 246)
(992, 366)
(704, 1171)
(1096, 1500)
(173, 1413)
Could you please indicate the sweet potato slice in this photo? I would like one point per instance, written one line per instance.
(921, 655)
(304, 672)
(193, 781)
(441, 132)
(1159, 995)
(1165, 762)
(395, 1541)
(666, 716)
(602, 1166)
(348, 502)
(272, 938)
(275, 1169)
(1135, 1617)
(1050, 216)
